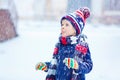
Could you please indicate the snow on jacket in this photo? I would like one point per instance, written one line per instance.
(67, 48)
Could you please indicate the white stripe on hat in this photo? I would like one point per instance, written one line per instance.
(73, 16)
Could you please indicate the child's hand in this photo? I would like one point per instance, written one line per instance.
(71, 63)
(41, 66)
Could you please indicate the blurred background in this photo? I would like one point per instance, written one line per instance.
(107, 11)
(29, 30)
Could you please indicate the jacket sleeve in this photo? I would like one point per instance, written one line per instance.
(47, 64)
(85, 63)
(51, 71)
(51, 66)
(83, 57)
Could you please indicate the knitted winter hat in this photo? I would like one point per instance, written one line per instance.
(78, 18)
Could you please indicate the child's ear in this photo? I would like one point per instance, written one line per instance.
(74, 32)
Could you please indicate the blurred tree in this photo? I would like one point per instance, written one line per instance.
(8, 20)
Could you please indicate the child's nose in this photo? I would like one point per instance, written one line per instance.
(63, 27)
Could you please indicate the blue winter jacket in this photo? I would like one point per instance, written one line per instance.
(61, 71)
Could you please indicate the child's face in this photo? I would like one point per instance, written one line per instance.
(67, 29)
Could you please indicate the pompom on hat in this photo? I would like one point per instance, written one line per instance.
(78, 19)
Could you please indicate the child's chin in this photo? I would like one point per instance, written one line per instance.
(64, 35)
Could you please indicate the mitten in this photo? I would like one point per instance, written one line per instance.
(41, 66)
(71, 63)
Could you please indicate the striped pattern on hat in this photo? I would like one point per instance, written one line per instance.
(77, 19)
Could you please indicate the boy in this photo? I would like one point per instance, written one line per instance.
(71, 57)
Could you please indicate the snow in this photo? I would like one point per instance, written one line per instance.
(36, 41)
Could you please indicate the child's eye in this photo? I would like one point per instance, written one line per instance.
(67, 25)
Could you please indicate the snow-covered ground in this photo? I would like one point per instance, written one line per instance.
(36, 41)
